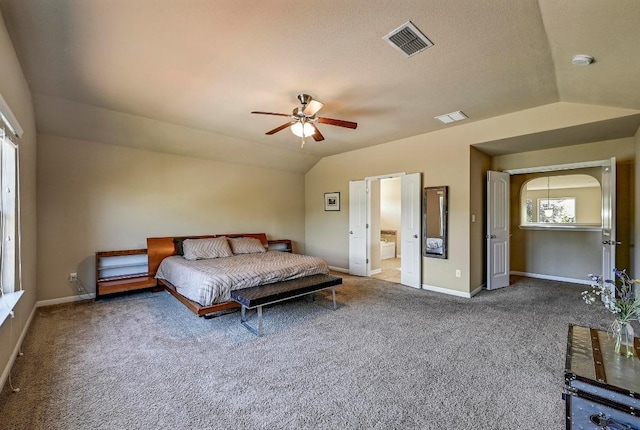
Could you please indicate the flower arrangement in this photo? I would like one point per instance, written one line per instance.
(620, 299)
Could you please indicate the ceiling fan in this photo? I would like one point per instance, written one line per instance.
(304, 118)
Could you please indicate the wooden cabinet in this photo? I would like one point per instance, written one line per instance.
(281, 245)
(119, 271)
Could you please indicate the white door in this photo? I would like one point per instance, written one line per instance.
(497, 230)
(411, 219)
(358, 228)
(609, 241)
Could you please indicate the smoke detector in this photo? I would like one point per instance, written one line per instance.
(408, 40)
(582, 60)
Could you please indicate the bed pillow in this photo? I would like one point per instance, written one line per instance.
(200, 249)
(178, 241)
(246, 245)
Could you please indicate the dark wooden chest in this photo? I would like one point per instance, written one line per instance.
(602, 389)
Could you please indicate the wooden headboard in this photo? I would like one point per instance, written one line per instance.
(159, 248)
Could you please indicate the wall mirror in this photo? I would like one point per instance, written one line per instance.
(435, 214)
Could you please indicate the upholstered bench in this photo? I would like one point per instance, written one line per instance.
(262, 295)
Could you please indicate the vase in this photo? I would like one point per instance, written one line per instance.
(623, 334)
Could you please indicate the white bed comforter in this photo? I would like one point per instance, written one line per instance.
(211, 281)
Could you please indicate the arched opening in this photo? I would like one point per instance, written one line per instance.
(561, 200)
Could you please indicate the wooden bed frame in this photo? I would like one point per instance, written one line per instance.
(159, 248)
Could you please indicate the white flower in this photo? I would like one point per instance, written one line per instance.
(617, 295)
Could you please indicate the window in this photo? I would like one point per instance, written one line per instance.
(557, 210)
(8, 209)
(529, 210)
(10, 255)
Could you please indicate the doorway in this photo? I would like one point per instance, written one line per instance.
(365, 231)
(549, 247)
(388, 231)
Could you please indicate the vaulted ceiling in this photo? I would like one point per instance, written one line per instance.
(183, 76)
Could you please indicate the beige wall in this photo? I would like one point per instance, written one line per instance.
(636, 215)
(327, 233)
(622, 149)
(625, 201)
(96, 197)
(443, 158)
(15, 91)
(480, 163)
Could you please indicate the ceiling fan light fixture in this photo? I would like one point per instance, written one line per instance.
(303, 129)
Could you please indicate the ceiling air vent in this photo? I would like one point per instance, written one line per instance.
(408, 39)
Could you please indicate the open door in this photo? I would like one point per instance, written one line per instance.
(497, 230)
(411, 218)
(609, 241)
(358, 228)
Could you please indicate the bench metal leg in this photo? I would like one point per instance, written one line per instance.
(243, 320)
(258, 331)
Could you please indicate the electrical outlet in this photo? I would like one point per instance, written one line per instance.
(73, 276)
(458, 273)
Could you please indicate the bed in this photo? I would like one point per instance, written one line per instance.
(204, 284)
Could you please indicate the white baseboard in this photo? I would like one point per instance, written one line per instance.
(68, 299)
(450, 292)
(339, 269)
(16, 350)
(375, 272)
(552, 278)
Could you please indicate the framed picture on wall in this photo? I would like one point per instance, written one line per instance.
(332, 201)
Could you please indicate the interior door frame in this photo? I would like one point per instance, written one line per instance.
(368, 180)
(572, 166)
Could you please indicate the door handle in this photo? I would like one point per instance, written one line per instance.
(493, 236)
(415, 236)
(350, 232)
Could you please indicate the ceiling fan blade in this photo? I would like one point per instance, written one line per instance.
(271, 113)
(277, 129)
(338, 122)
(317, 136)
(312, 107)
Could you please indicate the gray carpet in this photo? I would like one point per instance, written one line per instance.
(388, 357)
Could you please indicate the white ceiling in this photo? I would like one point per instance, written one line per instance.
(162, 66)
